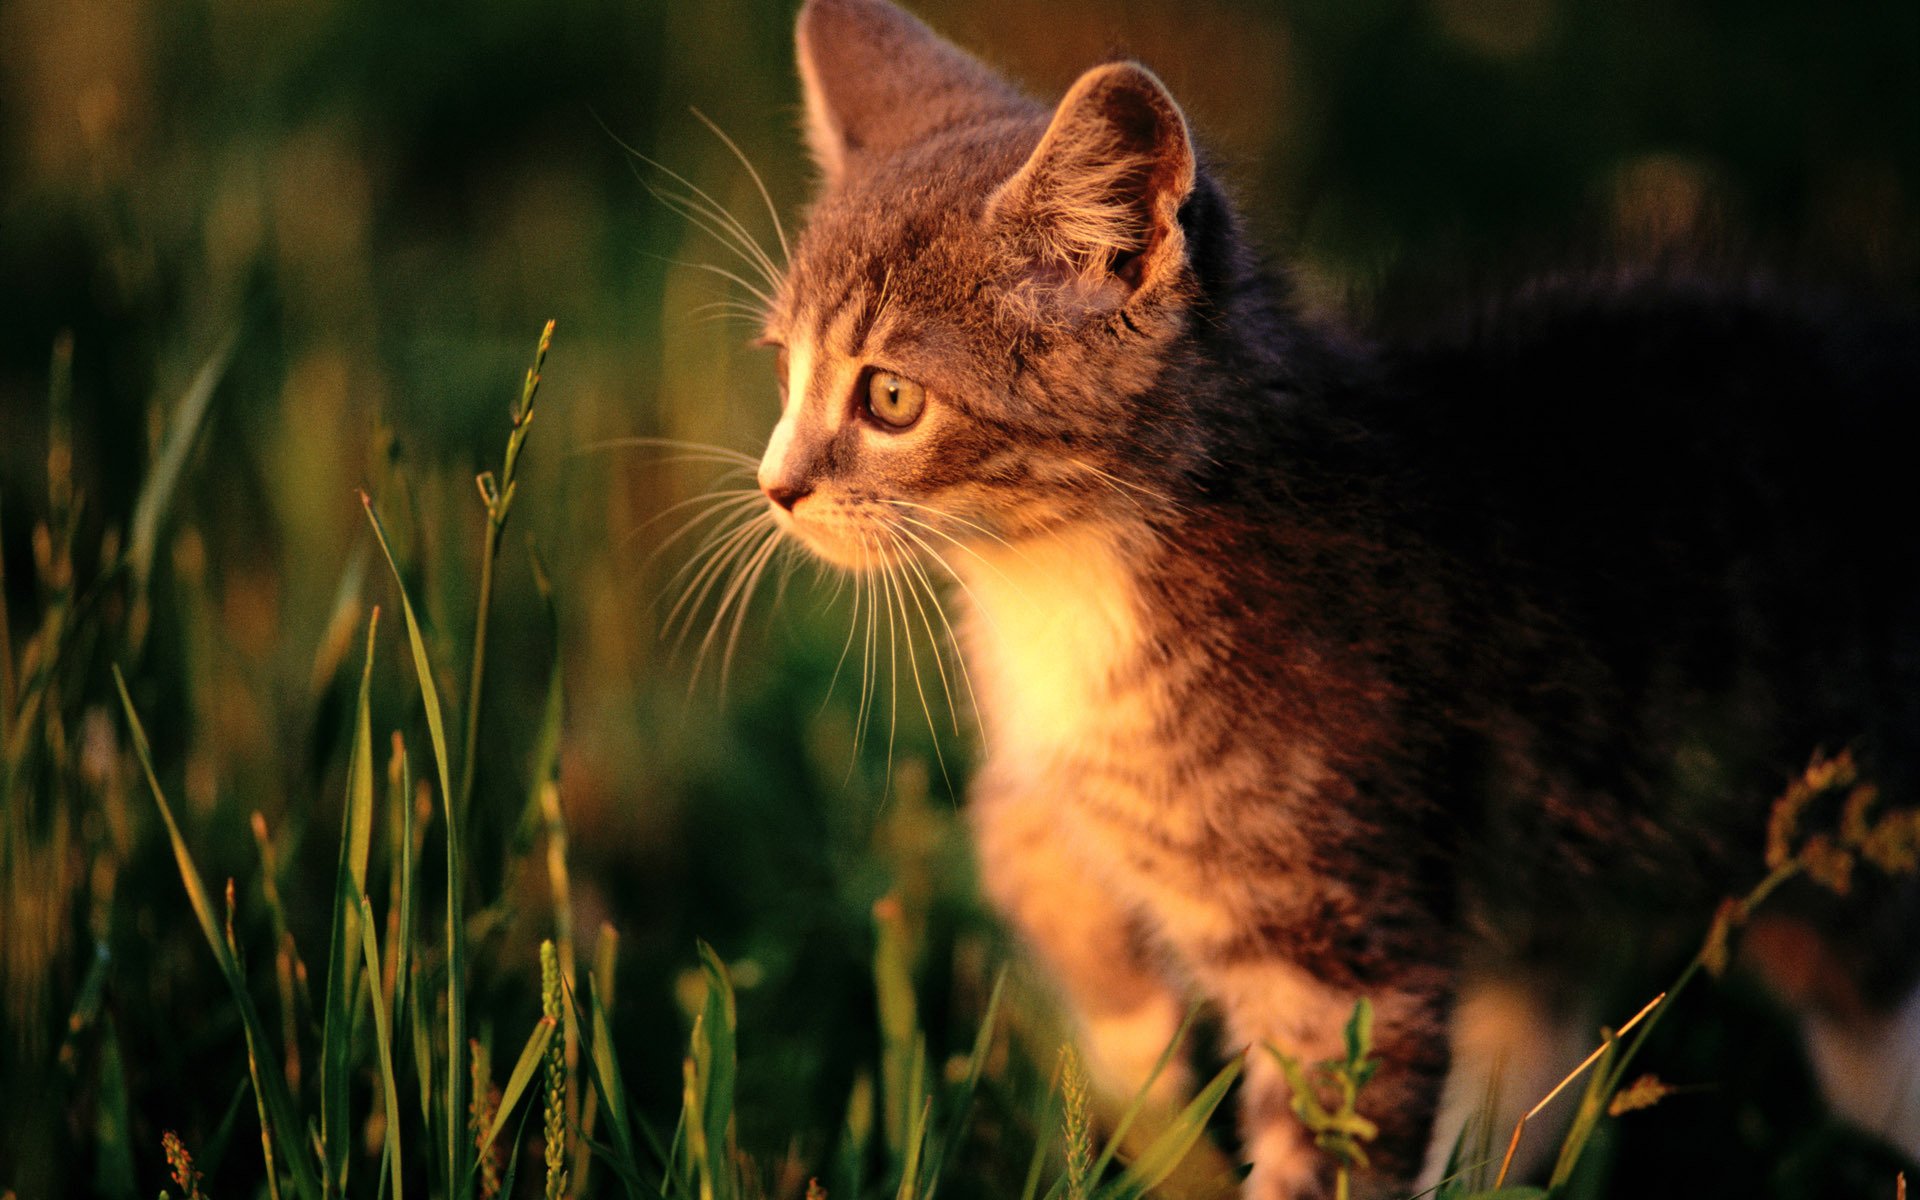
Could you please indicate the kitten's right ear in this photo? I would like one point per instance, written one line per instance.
(876, 80)
(1099, 199)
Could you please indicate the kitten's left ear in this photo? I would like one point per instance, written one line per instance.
(1100, 196)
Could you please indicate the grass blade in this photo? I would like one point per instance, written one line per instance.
(899, 1023)
(961, 1103)
(1138, 1103)
(722, 1060)
(603, 1070)
(383, 1040)
(523, 1071)
(182, 432)
(343, 976)
(456, 1098)
(1165, 1152)
(278, 1121)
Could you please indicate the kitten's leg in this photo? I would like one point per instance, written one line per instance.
(1272, 1001)
(1094, 946)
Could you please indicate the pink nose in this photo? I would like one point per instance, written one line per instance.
(787, 495)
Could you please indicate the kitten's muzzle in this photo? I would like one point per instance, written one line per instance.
(786, 495)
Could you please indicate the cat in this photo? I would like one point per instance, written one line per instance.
(1314, 667)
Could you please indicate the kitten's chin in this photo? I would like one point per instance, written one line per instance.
(844, 549)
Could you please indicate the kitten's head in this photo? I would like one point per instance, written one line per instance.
(983, 294)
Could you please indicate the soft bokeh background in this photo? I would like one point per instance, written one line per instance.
(383, 202)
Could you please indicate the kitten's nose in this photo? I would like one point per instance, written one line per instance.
(786, 495)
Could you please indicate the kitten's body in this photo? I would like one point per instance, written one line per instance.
(1313, 670)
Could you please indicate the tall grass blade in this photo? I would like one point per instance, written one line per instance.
(499, 501)
(384, 1043)
(517, 1083)
(916, 1139)
(278, 1121)
(960, 1104)
(899, 1023)
(343, 977)
(157, 493)
(405, 862)
(606, 948)
(719, 1064)
(455, 1101)
(1593, 1106)
(604, 1073)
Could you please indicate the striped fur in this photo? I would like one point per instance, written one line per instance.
(1303, 664)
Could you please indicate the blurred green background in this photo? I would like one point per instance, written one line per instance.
(383, 202)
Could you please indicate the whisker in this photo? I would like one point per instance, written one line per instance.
(724, 554)
(743, 243)
(718, 228)
(699, 200)
(958, 520)
(953, 639)
(901, 579)
(893, 674)
(720, 453)
(773, 213)
(728, 502)
(723, 273)
(740, 597)
(908, 577)
(738, 575)
(852, 625)
(957, 543)
(708, 219)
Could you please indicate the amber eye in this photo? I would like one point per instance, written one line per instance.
(894, 400)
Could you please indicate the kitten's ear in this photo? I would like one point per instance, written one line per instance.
(1100, 196)
(876, 79)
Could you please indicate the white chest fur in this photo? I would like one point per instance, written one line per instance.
(1052, 625)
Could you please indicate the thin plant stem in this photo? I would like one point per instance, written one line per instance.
(498, 496)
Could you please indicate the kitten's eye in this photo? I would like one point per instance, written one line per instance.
(894, 400)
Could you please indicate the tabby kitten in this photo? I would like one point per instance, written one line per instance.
(1313, 669)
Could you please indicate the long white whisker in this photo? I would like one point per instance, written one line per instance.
(963, 522)
(900, 592)
(651, 443)
(953, 639)
(773, 213)
(726, 505)
(714, 211)
(852, 625)
(721, 228)
(893, 671)
(738, 595)
(867, 654)
(723, 273)
(907, 579)
(699, 200)
(726, 553)
(960, 545)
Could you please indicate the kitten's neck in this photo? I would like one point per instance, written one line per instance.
(1053, 623)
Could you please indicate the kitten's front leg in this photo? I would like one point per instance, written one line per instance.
(1272, 1001)
(1093, 944)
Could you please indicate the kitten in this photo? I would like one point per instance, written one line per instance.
(1313, 669)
